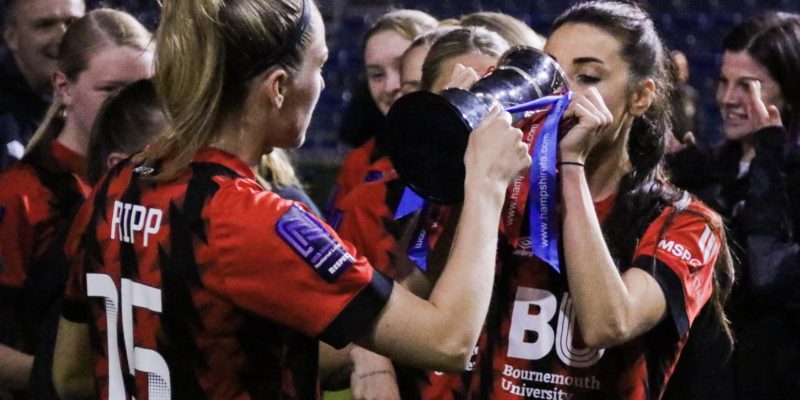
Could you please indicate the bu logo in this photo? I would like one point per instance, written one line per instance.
(309, 239)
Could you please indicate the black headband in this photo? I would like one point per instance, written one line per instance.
(287, 46)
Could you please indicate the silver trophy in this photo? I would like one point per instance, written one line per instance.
(428, 133)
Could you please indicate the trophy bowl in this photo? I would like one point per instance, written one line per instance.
(428, 133)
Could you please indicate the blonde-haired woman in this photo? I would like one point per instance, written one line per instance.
(414, 57)
(384, 44)
(225, 287)
(99, 54)
(455, 59)
(460, 57)
(361, 214)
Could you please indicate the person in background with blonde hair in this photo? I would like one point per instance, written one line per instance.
(279, 175)
(460, 58)
(414, 57)
(384, 44)
(514, 31)
(350, 363)
(190, 280)
(457, 58)
(99, 54)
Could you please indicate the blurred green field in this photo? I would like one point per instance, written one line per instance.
(340, 395)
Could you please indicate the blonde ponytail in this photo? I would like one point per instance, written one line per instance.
(190, 87)
(206, 52)
(276, 167)
(50, 128)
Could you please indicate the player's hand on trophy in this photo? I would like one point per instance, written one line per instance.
(593, 119)
(496, 150)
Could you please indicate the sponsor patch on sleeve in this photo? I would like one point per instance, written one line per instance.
(306, 236)
(694, 253)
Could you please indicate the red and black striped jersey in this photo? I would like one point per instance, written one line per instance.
(352, 173)
(365, 216)
(533, 341)
(209, 286)
(38, 197)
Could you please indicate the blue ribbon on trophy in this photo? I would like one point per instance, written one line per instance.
(543, 221)
(543, 196)
(419, 248)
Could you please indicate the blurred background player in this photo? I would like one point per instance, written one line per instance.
(755, 186)
(32, 30)
(100, 53)
(384, 44)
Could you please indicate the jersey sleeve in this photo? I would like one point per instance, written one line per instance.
(680, 253)
(76, 305)
(275, 259)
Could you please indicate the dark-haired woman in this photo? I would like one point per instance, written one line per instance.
(640, 258)
(190, 280)
(757, 190)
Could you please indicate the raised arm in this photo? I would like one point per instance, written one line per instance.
(612, 308)
(441, 332)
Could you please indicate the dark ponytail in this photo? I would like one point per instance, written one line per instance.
(645, 192)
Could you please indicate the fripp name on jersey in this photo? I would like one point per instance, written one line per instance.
(128, 220)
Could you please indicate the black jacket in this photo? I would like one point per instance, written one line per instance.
(761, 212)
(21, 111)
